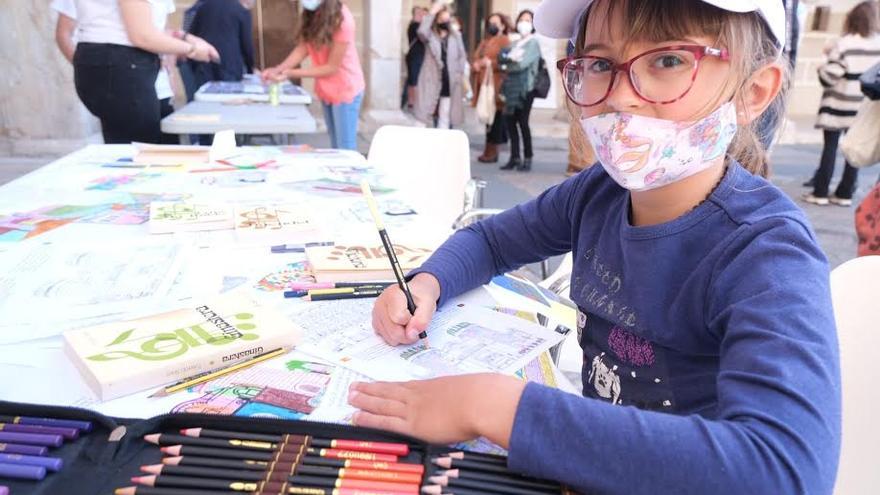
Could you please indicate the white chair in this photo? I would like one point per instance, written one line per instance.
(855, 293)
(436, 161)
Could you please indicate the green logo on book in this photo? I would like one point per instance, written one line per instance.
(169, 345)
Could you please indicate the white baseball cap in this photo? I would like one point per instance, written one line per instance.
(560, 19)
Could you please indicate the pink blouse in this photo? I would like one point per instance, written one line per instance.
(348, 81)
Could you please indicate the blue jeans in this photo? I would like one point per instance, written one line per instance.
(342, 123)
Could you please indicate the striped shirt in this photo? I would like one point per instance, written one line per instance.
(848, 58)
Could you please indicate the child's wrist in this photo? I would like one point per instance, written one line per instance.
(492, 403)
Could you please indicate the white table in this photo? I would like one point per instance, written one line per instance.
(96, 262)
(204, 117)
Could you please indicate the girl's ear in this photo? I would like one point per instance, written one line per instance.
(759, 92)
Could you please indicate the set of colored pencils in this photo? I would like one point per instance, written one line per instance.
(471, 473)
(25, 441)
(200, 461)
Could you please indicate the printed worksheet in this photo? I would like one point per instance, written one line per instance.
(462, 339)
(47, 288)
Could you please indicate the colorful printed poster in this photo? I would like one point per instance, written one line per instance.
(111, 182)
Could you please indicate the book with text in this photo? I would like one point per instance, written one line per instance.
(354, 262)
(124, 357)
(169, 216)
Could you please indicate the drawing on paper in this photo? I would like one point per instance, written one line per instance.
(281, 279)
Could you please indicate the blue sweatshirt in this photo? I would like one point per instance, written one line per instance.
(710, 353)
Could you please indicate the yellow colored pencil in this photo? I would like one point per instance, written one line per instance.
(214, 374)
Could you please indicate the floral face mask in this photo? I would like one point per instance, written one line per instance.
(642, 153)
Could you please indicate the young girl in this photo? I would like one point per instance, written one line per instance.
(710, 353)
(441, 88)
(520, 63)
(326, 35)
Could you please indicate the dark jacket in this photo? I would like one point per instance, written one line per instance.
(226, 25)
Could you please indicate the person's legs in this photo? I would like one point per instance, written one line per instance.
(345, 120)
(495, 134)
(847, 186)
(522, 117)
(328, 121)
(166, 109)
(826, 167)
(513, 133)
(443, 110)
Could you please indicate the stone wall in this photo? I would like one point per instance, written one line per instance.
(39, 110)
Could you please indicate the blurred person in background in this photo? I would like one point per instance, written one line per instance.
(226, 24)
(415, 54)
(520, 62)
(440, 94)
(485, 58)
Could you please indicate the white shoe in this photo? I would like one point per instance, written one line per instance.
(840, 201)
(815, 200)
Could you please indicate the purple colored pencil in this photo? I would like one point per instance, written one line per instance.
(32, 439)
(63, 423)
(50, 463)
(15, 448)
(67, 433)
(18, 471)
(4, 490)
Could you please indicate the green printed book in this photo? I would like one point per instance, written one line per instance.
(171, 216)
(121, 358)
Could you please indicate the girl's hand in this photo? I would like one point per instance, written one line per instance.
(391, 319)
(443, 410)
(270, 74)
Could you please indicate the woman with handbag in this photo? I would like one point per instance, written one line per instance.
(520, 61)
(847, 58)
(485, 66)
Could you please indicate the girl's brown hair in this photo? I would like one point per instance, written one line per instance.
(746, 37)
(318, 26)
(862, 20)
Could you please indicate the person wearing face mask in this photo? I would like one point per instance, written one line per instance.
(485, 58)
(710, 355)
(326, 35)
(520, 63)
(415, 54)
(440, 92)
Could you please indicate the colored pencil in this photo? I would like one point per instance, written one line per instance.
(389, 250)
(478, 456)
(322, 482)
(18, 471)
(226, 453)
(349, 294)
(483, 485)
(151, 490)
(400, 467)
(303, 490)
(204, 377)
(16, 448)
(448, 463)
(67, 433)
(4, 490)
(338, 285)
(216, 463)
(50, 463)
(171, 439)
(32, 439)
(193, 482)
(401, 449)
(358, 474)
(437, 489)
(64, 423)
(204, 472)
(511, 479)
(298, 248)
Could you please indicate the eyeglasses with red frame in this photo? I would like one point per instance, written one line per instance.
(659, 76)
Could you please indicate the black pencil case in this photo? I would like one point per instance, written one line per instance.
(111, 454)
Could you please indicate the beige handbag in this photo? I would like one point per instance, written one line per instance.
(861, 143)
(486, 100)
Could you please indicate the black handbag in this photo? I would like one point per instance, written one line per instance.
(870, 82)
(541, 88)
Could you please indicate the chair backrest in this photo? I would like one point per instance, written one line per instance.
(433, 164)
(855, 292)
